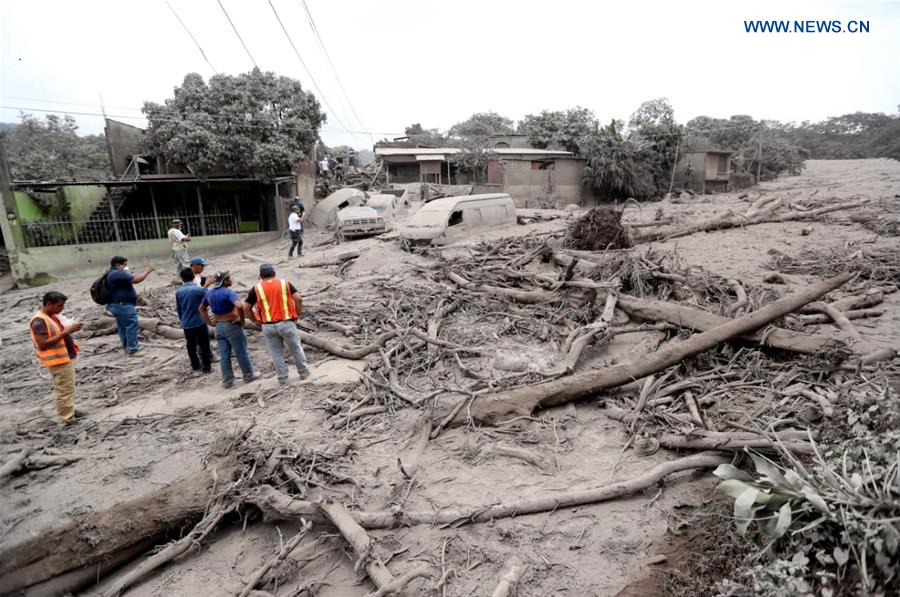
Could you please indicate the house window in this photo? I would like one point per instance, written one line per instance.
(455, 218)
(723, 164)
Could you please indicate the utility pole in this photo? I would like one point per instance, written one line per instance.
(758, 157)
(672, 180)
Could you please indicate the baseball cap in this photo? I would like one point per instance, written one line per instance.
(176, 221)
(266, 270)
(220, 279)
(199, 261)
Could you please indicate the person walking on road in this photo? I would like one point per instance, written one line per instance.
(295, 227)
(228, 320)
(196, 334)
(123, 299)
(277, 306)
(56, 350)
(179, 242)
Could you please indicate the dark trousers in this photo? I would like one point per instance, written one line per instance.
(198, 348)
(296, 242)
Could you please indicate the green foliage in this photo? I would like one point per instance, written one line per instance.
(51, 149)
(255, 123)
(482, 125)
(832, 523)
(615, 166)
(560, 129)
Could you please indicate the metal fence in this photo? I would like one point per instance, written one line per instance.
(103, 230)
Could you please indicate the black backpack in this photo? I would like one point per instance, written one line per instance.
(100, 292)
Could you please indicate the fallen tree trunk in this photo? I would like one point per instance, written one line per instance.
(98, 536)
(857, 314)
(276, 505)
(733, 220)
(355, 352)
(512, 572)
(361, 543)
(702, 321)
(340, 259)
(494, 408)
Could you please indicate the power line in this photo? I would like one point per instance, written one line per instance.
(300, 58)
(315, 30)
(241, 39)
(197, 43)
(224, 119)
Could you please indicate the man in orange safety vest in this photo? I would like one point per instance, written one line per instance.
(275, 304)
(56, 350)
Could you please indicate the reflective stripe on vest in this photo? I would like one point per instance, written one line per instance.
(57, 354)
(275, 307)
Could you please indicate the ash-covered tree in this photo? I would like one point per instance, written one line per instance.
(615, 166)
(256, 123)
(561, 129)
(425, 137)
(653, 129)
(51, 149)
(473, 157)
(482, 125)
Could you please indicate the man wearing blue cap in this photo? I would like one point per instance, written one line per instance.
(198, 264)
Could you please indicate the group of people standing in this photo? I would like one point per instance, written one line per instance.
(201, 303)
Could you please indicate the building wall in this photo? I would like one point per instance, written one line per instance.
(122, 141)
(73, 202)
(43, 265)
(558, 185)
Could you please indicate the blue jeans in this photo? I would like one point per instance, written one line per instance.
(276, 336)
(230, 336)
(127, 322)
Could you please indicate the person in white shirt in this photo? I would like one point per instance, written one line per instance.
(325, 167)
(295, 227)
(179, 242)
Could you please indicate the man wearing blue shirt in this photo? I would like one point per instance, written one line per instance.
(122, 302)
(228, 319)
(187, 304)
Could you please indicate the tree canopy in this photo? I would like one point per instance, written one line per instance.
(255, 123)
(482, 125)
(562, 129)
(51, 149)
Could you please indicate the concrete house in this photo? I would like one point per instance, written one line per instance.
(57, 229)
(530, 176)
(706, 171)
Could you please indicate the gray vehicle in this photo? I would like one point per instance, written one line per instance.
(446, 220)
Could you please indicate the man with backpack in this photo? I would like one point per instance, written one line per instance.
(122, 300)
(56, 350)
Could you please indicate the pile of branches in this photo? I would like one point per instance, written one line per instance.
(598, 230)
(875, 265)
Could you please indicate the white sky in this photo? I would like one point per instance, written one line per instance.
(437, 62)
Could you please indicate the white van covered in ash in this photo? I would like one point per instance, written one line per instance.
(445, 220)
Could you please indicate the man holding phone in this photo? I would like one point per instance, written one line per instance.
(56, 350)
